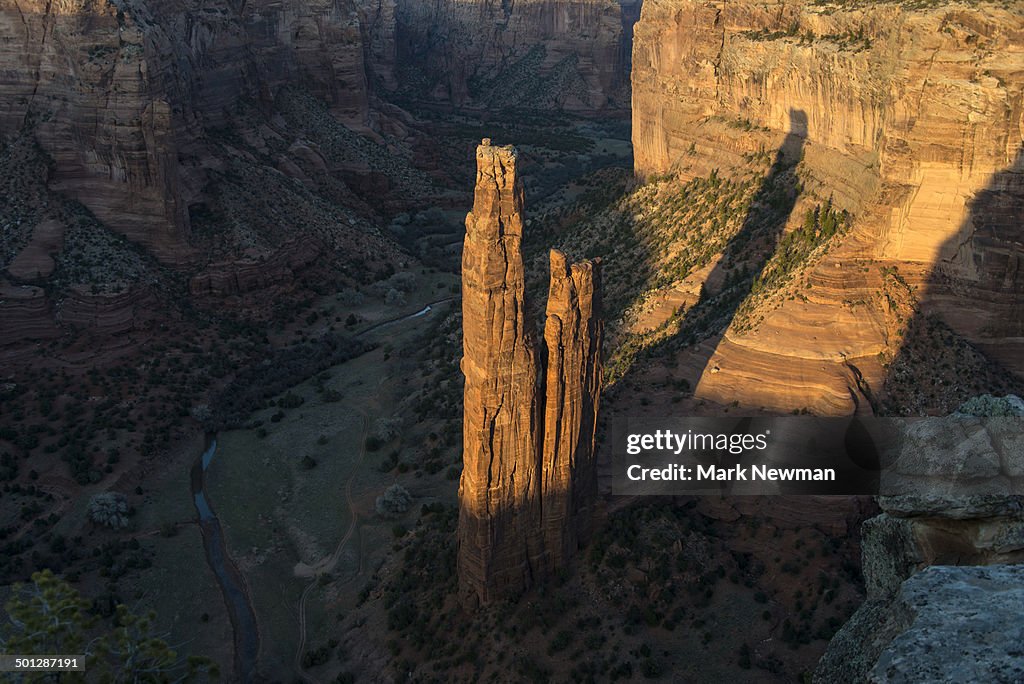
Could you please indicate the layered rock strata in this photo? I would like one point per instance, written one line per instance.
(25, 314)
(241, 276)
(122, 95)
(913, 125)
(107, 314)
(528, 481)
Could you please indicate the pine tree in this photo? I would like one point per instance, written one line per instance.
(49, 617)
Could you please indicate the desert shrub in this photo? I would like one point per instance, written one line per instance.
(386, 429)
(109, 509)
(651, 668)
(315, 657)
(988, 405)
(202, 412)
(291, 401)
(350, 297)
(403, 282)
(394, 501)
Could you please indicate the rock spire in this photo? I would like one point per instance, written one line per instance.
(528, 483)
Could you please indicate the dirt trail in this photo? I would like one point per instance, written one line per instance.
(326, 565)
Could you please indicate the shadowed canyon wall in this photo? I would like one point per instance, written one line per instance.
(529, 481)
(118, 94)
(533, 54)
(912, 116)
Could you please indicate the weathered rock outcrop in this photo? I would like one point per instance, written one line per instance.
(913, 125)
(969, 517)
(945, 624)
(35, 261)
(241, 276)
(25, 314)
(528, 480)
(106, 313)
(572, 336)
(538, 54)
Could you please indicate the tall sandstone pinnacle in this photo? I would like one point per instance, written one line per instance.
(529, 483)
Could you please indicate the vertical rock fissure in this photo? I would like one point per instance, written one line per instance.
(528, 483)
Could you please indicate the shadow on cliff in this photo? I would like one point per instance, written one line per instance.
(743, 260)
(964, 337)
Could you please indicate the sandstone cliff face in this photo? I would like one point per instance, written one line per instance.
(913, 124)
(119, 94)
(77, 73)
(528, 478)
(531, 53)
(499, 494)
(25, 314)
(129, 99)
(572, 336)
(241, 276)
(106, 314)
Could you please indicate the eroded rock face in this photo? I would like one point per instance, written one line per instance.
(125, 97)
(25, 314)
(912, 121)
(572, 335)
(536, 54)
(499, 494)
(528, 480)
(239, 277)
(119, 95)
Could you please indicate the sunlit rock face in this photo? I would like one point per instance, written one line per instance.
(572, 336)
(913, 125)
(528, 481)
(499, 495)
(916, 600)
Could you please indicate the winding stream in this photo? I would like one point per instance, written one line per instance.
(240, 611)
(239, 605)
(422, 312)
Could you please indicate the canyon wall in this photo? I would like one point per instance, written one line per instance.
(125, 97)
(914, 122)
(534, 54)
(528, 482)
(119, 95)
